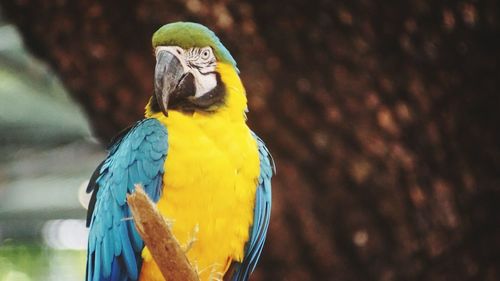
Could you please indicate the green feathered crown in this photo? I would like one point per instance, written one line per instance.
(188, 35)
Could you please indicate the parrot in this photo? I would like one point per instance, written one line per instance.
(196, 158)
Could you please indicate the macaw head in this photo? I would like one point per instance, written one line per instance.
(194, 72)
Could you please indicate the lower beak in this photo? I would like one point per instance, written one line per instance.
(168, 74)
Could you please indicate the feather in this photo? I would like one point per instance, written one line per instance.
(114, 246)
(107, 254)
(262, 213)
(128, 253)
(96, 262)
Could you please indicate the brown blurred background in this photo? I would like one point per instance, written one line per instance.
(382, 118)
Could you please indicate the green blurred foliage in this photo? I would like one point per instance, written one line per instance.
(31, 262)
(42, 133)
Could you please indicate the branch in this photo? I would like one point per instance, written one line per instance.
(160, 241)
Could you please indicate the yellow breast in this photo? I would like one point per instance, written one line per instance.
(209, 183)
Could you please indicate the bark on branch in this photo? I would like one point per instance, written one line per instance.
(160, 241)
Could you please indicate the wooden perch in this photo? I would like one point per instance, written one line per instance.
(160, 241)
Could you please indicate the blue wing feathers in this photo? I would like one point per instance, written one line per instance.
(116, 273)
(128, 254)
(262, 214)
(97, 265)
(107, 255)
(136, 157)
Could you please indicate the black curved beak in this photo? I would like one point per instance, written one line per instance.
(168, 74)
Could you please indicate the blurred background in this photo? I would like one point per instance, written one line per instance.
(46, 153)
(382, 118)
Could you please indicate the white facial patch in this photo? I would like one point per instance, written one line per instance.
(200, 62)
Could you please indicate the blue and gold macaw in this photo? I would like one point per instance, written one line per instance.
(195, 157)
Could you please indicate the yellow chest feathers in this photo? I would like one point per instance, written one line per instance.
(210, 181)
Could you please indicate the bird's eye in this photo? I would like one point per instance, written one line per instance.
(205, 53)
